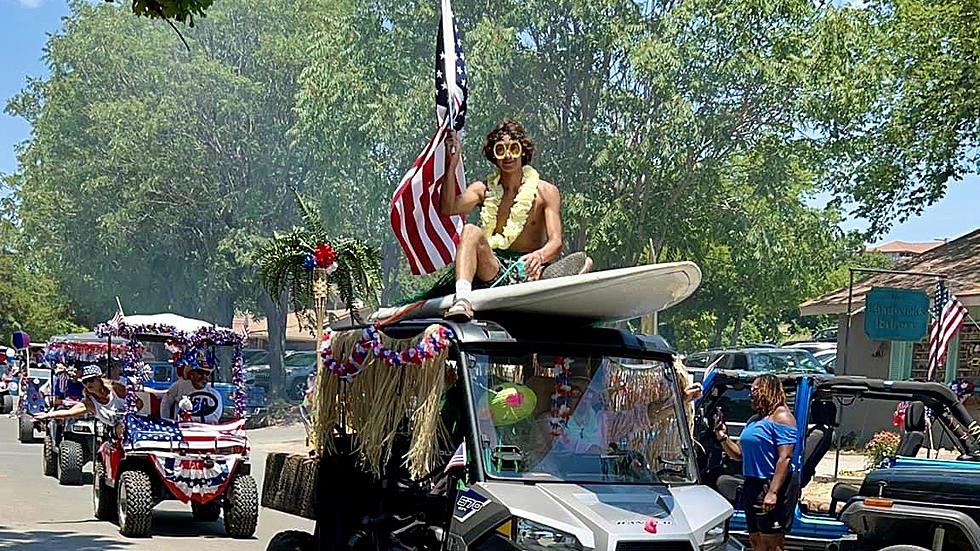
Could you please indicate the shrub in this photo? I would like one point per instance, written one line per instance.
(882, 445)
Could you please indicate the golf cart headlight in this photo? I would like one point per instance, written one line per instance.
(716, 538)
(532, 536)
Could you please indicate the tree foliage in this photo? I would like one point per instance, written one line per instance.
(699, 130)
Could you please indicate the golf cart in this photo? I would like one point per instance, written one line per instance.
(34, 384)
(70, 444)
(149, 459)
(530, 434)
(906, 502)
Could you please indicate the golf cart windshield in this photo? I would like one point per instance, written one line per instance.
(583, 419)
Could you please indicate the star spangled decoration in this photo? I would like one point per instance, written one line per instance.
(459, 72)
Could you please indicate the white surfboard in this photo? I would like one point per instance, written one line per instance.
(603, 296)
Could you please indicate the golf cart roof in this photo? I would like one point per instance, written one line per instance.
(180, 323)
(169, 326)
(88, 337)
(591, 340)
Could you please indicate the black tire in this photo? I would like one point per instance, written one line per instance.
(25, 429)
(103, 497)
(904, 548)
(134, 505)
(292, 540)
(209, 512)
(241, 507)
(71, 458)
(50, 457)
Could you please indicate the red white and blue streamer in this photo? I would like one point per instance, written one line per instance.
(370, 343)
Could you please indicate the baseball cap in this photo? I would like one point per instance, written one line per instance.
(90, 372)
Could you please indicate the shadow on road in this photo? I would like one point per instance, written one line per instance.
(44, 539)
(174, 524)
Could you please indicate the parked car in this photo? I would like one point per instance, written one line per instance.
(824, 352)
(755, 360)
(298, 365)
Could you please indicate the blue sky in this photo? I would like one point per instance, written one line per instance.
(26, 24)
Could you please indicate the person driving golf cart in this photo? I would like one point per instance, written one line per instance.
(193, 398)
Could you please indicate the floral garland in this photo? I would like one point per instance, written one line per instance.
(370, 341)
(518, 212)
(561, 400)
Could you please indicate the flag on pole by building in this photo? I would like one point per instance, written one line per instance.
(948, 316)
(428, 237)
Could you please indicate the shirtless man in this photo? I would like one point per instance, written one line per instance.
(520, 218)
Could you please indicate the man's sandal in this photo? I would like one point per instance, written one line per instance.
(461, 311)
(576, 263)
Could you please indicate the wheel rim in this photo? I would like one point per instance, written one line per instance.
(122, 504)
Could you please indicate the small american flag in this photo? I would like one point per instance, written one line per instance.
(949, 314)
(427, 236)
(458, 460)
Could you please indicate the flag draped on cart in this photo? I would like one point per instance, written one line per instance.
(427, 236)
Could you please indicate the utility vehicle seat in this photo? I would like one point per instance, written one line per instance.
(730, 486)
(842, 493)
(915, 430)
(818, 439)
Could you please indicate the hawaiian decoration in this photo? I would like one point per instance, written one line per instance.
(370, 342)
(373, 403)
(286, 263)
(519, 212)
(511, 403)
(561, 399)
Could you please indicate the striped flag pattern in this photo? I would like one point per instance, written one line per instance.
(428, 237)
(149, 433)
(458, 459)
(949, 314)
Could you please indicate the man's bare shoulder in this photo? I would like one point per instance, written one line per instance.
(548, 191)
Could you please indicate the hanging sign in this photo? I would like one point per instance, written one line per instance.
(896, 314)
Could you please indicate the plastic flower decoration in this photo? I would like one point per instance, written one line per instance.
(325, 257)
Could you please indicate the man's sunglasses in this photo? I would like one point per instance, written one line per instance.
(502, 148)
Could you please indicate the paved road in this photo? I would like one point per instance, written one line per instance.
(38, 514)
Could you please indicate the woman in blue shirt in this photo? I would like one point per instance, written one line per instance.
(765, 447)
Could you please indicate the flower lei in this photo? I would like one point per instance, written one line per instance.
(519, 212)
(370, 341)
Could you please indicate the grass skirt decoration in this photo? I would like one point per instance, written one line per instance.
(372, 402)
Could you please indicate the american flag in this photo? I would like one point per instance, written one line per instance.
(458, 460)
(149, 433)
(427, 236)
(949, 314)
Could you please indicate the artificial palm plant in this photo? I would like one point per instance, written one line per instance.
(292, 261)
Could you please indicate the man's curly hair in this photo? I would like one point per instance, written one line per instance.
(516, 132)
